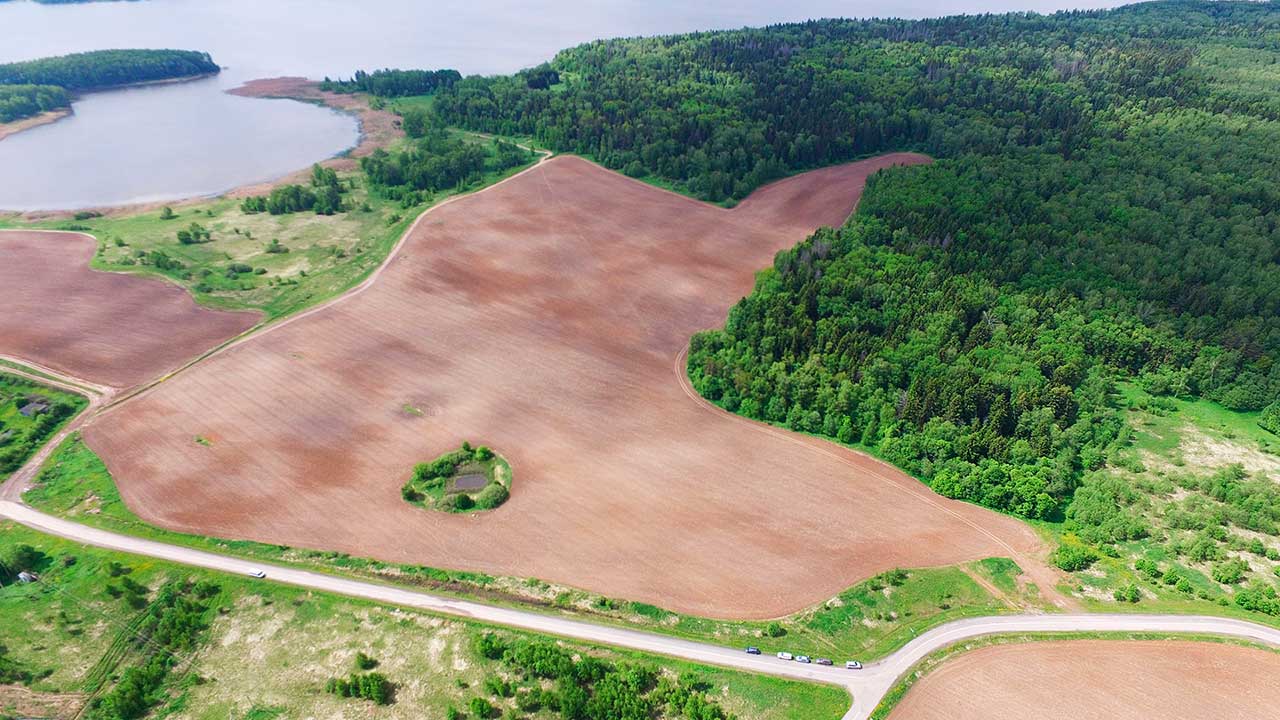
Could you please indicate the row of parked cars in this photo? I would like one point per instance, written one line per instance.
(849, 664)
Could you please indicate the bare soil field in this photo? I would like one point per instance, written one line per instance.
(110, 328)
(546, 318)
(1099, 680)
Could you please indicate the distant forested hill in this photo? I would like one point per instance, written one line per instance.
(108, 68)
(1105, 204)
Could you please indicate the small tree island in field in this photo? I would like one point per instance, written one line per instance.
(465, 480)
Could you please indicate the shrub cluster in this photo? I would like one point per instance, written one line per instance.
(588, 687)
(370, 686)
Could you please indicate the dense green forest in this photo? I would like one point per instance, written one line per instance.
(437, 160)
(20, 101)
(1103, 205)
(101, 69)
(394, 83)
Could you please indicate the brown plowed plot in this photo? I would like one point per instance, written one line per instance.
(108, 328)
(1099, 680)
(544, 318)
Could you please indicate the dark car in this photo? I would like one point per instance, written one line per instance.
(823, 661)
(753, 650)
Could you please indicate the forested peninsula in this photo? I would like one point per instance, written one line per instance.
(1102, 209)
(36, 86)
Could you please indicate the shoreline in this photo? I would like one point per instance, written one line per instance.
(52, 116)
(45, 118)
(375, 129)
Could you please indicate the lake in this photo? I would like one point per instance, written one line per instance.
(189, 139)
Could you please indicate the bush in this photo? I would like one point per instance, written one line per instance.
(490, 646)
(1270, 420)
(1148, 568)
(1129, 593)
(775, 630)
(365, 662)
(493, 495)
(480, 707)
(498, 687)
(368, 686)
(194, 235)
(1230, 572)
(457, 502)
(1074, 558)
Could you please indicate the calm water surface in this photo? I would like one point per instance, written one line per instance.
(181, 140)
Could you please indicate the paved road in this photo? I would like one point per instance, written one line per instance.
(867, 686)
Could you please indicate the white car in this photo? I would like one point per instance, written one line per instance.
(853, 665)
(802, 658)
(784, 656)
(256, 573)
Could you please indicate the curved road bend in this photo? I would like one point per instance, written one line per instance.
(868, 686)
(98, 395)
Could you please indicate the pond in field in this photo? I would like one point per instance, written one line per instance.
(187, 139)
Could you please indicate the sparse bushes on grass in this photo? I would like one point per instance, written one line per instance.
(367, 686)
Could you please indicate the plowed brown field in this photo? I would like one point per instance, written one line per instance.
(1099, 680)
(109, 328)
(545, 317)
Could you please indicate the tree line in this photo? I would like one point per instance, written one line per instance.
(1102, 207)
(21, 101)
(323, 196)
(394, 83)
(100, 69)
(32, 87)
(437, 160)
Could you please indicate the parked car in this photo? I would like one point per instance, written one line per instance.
(853, 665)
(257, 573)
(784, 656)
(823, 661)
(802, 658)
(753, 650)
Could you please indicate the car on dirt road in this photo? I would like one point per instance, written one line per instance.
(256, 573)
(784, 656)
(823, 661)
(803, 658)
(853, 665)
(753, 650)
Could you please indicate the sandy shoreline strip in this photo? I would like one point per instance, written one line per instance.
(44, 118)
